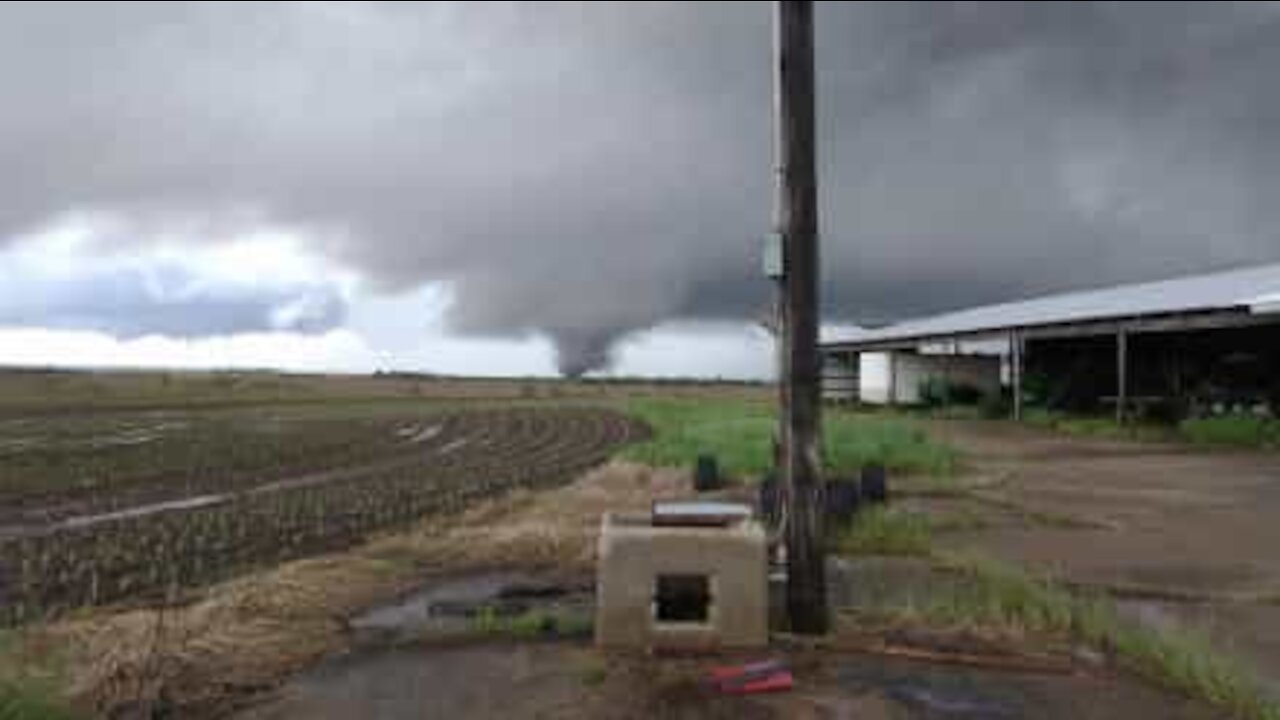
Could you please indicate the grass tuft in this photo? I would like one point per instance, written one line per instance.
(1104, 428)
(1001, 595)
(962, 520)
(530, 624)
(593, 672)
(885, 531)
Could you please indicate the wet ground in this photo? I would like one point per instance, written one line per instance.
(1187, 536)
(409, 661)
(1156, 521)
(487, 602)
(565, 680)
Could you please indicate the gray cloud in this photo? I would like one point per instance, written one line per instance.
(590, 169)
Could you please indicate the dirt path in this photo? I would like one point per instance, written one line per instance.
(1150, 519)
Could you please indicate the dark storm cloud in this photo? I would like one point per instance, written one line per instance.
(590, 169)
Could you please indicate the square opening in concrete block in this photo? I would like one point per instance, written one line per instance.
(683, 599)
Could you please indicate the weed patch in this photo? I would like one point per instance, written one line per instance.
(885, 531)
(996, 594)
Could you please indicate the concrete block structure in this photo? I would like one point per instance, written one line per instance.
(681, 587)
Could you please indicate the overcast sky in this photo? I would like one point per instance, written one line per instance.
(508, 188)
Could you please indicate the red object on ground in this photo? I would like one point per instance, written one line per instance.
(751, 678)
(778, 682)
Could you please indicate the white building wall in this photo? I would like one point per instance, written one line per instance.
(909, 371)
(873, 377)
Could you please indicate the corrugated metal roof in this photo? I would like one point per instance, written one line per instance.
(1253, 288)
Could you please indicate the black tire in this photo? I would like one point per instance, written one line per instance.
(706, 474)
(875, 485)
(842, 499)
(770, 503)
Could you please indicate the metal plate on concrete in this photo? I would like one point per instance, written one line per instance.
(697, 513)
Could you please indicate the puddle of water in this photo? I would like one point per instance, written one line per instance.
(876, 583)
(426, 434)
(453, 605)
(416, 434)
(452, 446)
(419, 609)
(305, 481)
(189, 503)
(466, 683)
(1149, 613)
(124, 439)
(1244, 631)
(932, 691)
(945, 704)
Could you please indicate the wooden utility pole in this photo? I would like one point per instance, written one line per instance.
(796, 219)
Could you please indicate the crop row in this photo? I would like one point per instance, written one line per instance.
(473, 455)
(202, 456)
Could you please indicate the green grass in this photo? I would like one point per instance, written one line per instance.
(962, 520)
(885, 531)
(30, 700)
(1098, 427)
(1243, 431)
(531, 624)
(27, 692)
(1039, 417)
(996, 594)
(739, 434)
(1232, 430)
(593, 672)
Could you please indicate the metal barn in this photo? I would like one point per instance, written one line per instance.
(1191, 345)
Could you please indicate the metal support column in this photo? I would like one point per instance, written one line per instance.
(891, 357)
(1015, 371)
(1122, 374)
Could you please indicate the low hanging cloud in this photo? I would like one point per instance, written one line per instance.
(586, 170)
